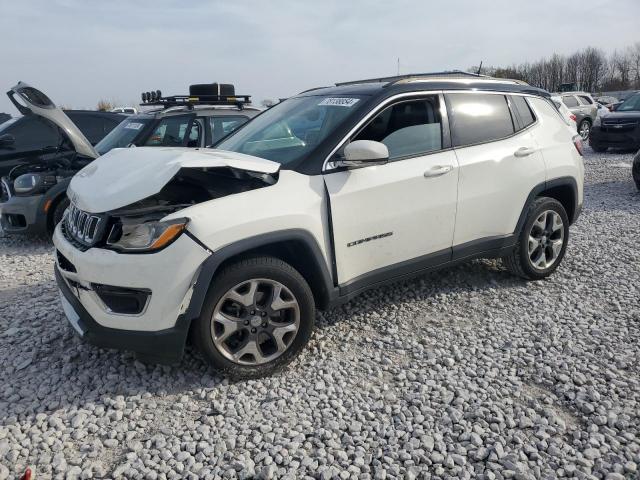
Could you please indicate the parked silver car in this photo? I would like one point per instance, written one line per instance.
(584, 107)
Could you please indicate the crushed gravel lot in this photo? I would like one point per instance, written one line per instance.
(464, 373)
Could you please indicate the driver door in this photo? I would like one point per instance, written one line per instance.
(398, 217)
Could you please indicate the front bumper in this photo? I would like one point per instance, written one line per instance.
(609, 137)
(159, 331)
(23, 215)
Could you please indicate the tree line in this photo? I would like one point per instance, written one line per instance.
(591, 69)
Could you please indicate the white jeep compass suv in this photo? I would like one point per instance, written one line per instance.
(331, 192)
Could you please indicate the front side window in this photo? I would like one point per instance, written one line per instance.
(522, 109)
(223, 126)
(407, 128)
(289, 131)
(169, 132)
(570, 101)
(630, 104)
(478, 118)
(124, 134)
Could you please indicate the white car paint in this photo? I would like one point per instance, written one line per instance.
(120, 184)
(428, 203)
(568, 117)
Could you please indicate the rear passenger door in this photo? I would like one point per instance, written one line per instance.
(499, 163)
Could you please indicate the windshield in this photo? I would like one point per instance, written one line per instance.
(289, 131)
(631, 103)
(123, 135)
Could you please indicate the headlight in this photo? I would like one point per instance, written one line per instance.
(597, 121)
(27, 183)
(145, 237)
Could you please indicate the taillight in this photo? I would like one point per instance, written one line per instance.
(577, 142)
(573, 117)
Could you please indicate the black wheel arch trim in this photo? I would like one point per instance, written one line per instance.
(54, 195)
(211, 265)
(547, 185)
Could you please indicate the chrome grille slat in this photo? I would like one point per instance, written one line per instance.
(82, 227)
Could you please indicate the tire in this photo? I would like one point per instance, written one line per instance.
(635, 169)
(599, 149)
(521, 261)
(249, 314)
(58, 212)
(584, 129)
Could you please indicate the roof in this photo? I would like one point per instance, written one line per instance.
(455, 80)
(221, 109)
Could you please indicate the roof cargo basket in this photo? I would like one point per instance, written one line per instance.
(199, 94)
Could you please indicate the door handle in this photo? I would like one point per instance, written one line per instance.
(524, 152)
(438, 170)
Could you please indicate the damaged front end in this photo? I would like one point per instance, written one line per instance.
(138, 227)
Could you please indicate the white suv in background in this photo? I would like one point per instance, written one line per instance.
(331, 192)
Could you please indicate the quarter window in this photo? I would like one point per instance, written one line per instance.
(585, 100)
(523, 111)
(478, 118)
(407, 128)
(570, 101)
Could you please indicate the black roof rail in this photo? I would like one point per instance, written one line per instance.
(155, 98)
(393, 79)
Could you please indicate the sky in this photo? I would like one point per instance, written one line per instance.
(81, 51)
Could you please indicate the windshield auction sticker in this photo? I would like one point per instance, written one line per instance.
(133, 126)
(339, 102)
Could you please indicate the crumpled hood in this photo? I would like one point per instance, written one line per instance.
(126, 175)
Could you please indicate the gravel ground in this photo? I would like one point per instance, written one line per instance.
(465, 373)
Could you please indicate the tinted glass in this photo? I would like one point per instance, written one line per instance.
(523, 110)
(631, 103)
(91, 126)
(291, 130)
(478, 118)
(407, 128)
(570, 101)
(33, 133)
(196, 133)
(223, 126)
(169, 132)
(584, 100)
(123, 135)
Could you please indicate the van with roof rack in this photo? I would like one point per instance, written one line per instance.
(34, 194)
(327, 194)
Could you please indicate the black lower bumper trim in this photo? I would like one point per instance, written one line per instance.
(162, 346)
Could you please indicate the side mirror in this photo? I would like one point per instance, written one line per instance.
(362, 153)
(7, 140)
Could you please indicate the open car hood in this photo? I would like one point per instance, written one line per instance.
(31, 101)
(124, 176)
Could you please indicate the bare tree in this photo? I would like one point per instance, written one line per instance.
(104, 105)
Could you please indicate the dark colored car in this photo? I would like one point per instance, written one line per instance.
(618, 129)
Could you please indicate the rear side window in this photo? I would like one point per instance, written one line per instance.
(570, 101)
(523, 112)
(34, 133)
(584, 100)
(224, 125)
(478, 118)
(407, 128)
(91, 126)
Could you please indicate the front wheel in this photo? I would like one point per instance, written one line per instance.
(58, 213)
(542, 242)
(598, 148)
(258, 315)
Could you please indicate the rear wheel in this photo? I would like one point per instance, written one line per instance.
(258, 315)
(542, 242)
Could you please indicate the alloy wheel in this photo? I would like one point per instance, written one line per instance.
(585, 130)
(546, 239)
(255, 322)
